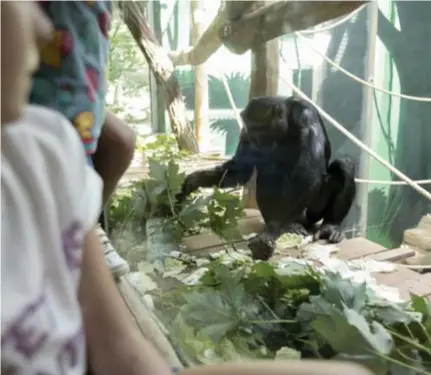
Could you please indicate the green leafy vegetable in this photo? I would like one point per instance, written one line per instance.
(294, 312)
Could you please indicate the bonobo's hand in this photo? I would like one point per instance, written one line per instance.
(329, 232)
(296, 228)
(190, 184)
(262, 246)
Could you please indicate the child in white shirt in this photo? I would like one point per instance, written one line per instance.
(51, 306)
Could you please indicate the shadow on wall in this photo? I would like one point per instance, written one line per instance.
(409, 46)
(342, 97)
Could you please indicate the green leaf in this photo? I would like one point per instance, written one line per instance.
(287, 353)
(298, 276)
(209, 312)
(343, 292)
(193, 211)
(421, 305)
(317, 306)
(156, 170)
(216, 331)
(175, 178)
(378, 338)
(391, 313)
(264, 269)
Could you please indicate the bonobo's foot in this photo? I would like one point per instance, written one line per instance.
(296, 228)
(329, 232)
(262, 246)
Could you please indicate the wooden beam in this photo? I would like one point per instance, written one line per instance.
(279, 18)
(241, 30)
(206, 46)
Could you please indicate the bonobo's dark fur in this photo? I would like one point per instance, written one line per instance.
(285, 139)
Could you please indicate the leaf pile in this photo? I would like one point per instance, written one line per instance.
(239, 309)
(155, 197)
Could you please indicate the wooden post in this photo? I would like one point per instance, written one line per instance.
(367, 114)
(264, 77)
(201, 78)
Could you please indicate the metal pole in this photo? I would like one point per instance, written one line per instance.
(367, 113)
(153, 83)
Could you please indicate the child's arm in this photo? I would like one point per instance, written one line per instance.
(115, 345)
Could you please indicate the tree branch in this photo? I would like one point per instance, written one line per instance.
(279, 18)
(206, 46)
(160, 64)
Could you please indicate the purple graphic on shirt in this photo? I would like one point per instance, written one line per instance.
(69, 353)
(26, 334)
(72, 239)
(24, 339)
(23, 334)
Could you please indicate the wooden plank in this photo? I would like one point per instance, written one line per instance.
(421, 286)
(395, 278)
(356, 248)
(394, 255)
(144, 321)
(419, 259)
(208, 241)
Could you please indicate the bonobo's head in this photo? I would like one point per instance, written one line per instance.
(268, 120)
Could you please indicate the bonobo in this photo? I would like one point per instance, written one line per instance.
(285, 140)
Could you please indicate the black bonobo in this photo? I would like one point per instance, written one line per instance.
(285, 140)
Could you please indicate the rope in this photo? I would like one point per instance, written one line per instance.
(359, 143)
(360, 80)
(382, 182)
(232, 101)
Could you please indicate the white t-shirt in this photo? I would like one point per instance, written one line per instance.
(49, 200)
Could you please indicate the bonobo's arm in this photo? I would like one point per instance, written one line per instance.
(335, 200)
(342, 182)
(236, 171)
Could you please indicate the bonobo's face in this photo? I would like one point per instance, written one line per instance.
(265, 120)
(270, 120)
